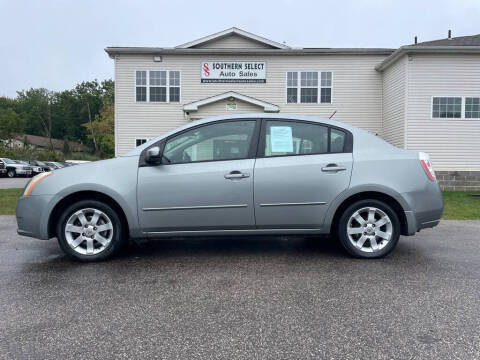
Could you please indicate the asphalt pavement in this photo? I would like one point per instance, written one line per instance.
(16, 182)
(231, 298)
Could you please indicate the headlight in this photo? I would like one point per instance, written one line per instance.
(35, 180)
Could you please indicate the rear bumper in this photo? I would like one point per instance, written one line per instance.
(32, 215)
(426, 208)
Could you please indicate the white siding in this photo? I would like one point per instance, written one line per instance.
(452, 143)
(233, 42)
(394, 96)
(356, 93)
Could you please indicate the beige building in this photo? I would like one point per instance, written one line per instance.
(424, 96)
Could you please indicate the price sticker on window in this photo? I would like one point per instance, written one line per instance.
(281, 139)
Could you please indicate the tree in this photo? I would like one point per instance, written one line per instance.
(61, 114)
(36, 111)
(26, 143)
(10, 123)
(103, 126)
(66, 147)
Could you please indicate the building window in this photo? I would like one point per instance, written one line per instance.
(308, 87)
(326, 87)
(139, 142)
(310, 90)
(472, 108)
(292, 87)
(174, 88)
(163, 86)
(141, 85)
(447, 107)
(158, 86)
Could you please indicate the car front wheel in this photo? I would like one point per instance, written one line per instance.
(90, 230)
(369, 229)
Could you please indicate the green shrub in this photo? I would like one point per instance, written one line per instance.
(22, 153)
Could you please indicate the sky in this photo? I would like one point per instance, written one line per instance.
(56, 44)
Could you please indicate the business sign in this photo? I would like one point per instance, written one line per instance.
(234, 72)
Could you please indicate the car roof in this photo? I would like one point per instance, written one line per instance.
(267, 116)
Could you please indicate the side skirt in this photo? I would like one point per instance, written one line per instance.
(160, 234)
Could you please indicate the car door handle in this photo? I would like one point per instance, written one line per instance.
(236, 175)
(333, 168)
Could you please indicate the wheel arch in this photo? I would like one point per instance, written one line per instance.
(83, 195)
(388, 197)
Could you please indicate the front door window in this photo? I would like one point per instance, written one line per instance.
(221, 141)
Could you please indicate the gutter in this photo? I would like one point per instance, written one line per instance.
(412, 49)
(112, 51)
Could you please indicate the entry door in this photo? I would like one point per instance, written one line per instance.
(303, 168)
(205, 181)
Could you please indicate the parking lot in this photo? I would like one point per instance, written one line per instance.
(16, 182)
(264, 298)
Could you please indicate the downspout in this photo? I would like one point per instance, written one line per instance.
(405, 109)
(115, 115)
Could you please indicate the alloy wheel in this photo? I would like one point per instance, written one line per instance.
(369, 229)
(89, 231)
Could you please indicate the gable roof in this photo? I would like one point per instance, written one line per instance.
(42, 141)
(267, 107)
(457, 45)
(229, 32)
(471, 40)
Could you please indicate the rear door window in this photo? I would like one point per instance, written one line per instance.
(295, 138)
(337, 140)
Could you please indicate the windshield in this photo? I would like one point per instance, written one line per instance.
(40, 163)
(8, 161)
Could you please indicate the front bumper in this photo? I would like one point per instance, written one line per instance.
(32, 215)
(426, 207)
(23, 172)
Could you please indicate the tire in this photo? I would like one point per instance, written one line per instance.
(86, 242)
(370, 239)
(11, 173)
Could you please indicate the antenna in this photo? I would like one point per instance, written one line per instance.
(333, 114)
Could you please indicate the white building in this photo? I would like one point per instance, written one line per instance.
(424, 96)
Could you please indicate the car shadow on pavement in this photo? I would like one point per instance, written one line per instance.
(220, 249)
(233, 247)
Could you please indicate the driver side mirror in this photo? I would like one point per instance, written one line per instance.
(153, 155)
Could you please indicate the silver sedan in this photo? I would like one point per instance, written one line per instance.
(240, 175)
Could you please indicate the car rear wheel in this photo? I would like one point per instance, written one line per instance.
(90, 230)
(11, 173)
(369, 229)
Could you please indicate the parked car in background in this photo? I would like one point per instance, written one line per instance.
(54, 165)
(35, 168)
(3, 169)
(312, 176)
(16, 169)
(41, 164)
(76, 162)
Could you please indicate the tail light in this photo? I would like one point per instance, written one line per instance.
(427, 165)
